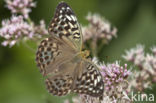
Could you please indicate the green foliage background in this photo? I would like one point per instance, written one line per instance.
(20, 80)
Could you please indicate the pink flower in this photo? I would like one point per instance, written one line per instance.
(146, 64)
(98, 28)
(15, 29)
(40, 29)
(114, 74)
(154, 50)
(20, 6)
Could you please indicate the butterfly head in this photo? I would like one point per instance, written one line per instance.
(84, 54)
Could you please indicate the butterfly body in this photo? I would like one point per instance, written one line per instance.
(61, 59)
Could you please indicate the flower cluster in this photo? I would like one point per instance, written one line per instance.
(40, 29)
(20, 27)
(114, 74)
(98, 28)
(20, 6)
(135, 55)
(115, 82)
(154, 50)
(146, 64)
(15, 28)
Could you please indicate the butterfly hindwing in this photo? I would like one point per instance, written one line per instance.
(81, 77)
(65, 24)
(59, 85)
(61, 82)
(89, 81)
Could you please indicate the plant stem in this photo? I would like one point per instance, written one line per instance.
(94, 46)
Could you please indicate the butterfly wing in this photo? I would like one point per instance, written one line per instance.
(59, 85)
(80, 76)
(56, 58)
(51, 53)
(66, 72)
(88, 80)
(61, 82)
(65, 24)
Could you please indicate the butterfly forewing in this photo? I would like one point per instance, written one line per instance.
(51, 53)
(65, 23)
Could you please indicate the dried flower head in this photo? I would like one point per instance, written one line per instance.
(15, 29)
(98, 28)
(20, 6)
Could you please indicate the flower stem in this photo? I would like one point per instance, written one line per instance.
(94, 46)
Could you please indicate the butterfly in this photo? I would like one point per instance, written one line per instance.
(61, 60)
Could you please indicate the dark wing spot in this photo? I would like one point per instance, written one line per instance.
(62, 23)
(67, 27)
(73, 22)
(74, 29)
(60, 28)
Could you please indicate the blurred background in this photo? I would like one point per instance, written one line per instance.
(20, 79)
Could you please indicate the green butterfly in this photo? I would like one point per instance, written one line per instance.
(61, 59)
